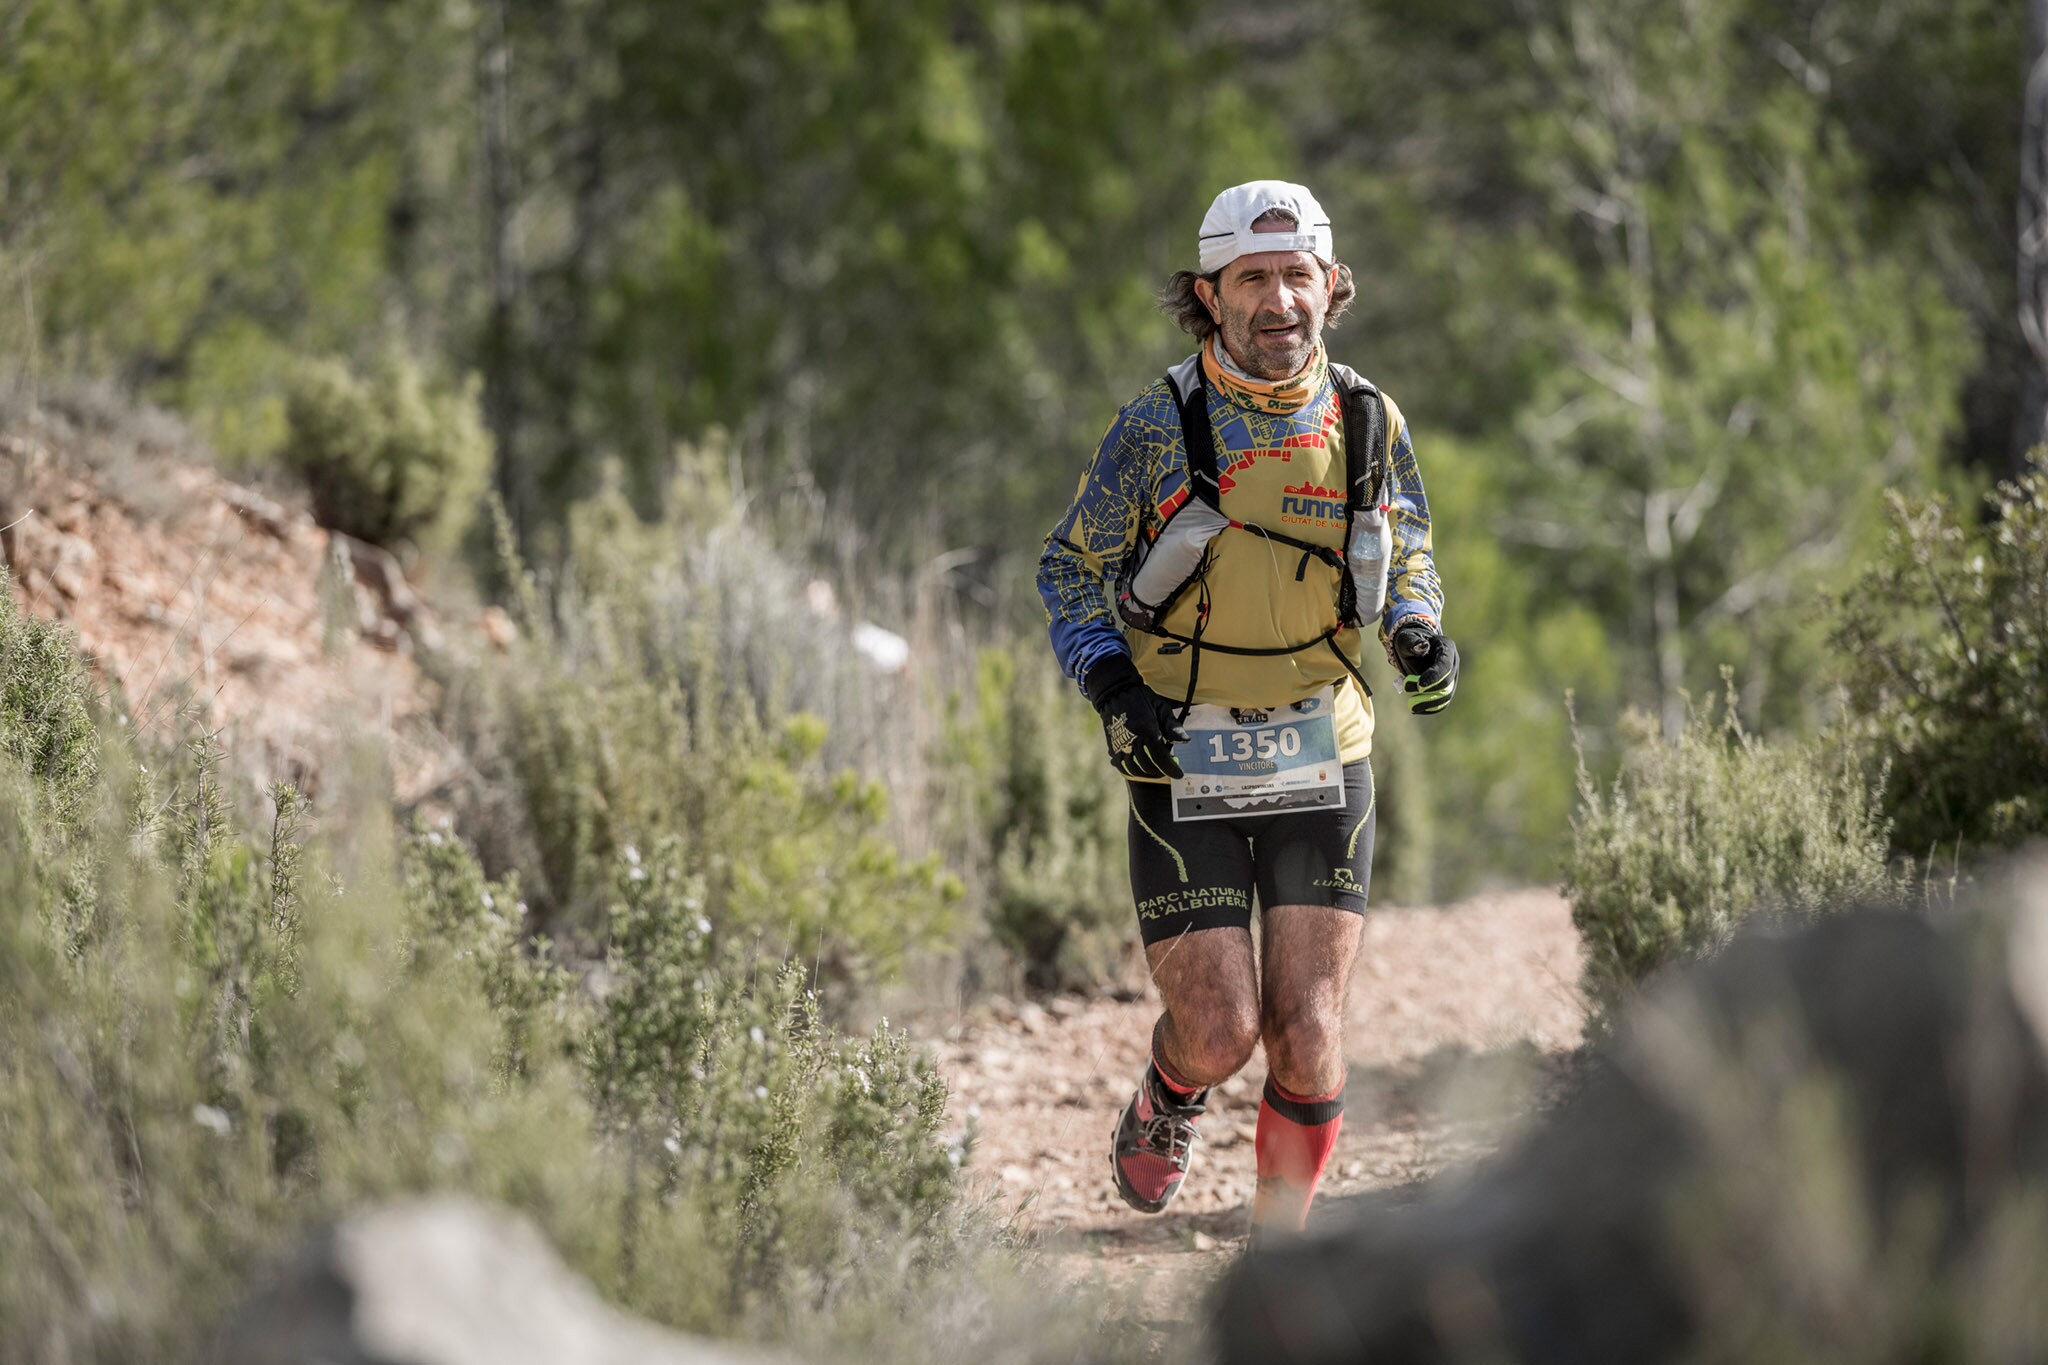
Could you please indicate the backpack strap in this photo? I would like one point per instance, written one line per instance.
(1365, 438)
(1191, 395)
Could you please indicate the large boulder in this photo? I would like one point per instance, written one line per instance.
(443, 1282)
(1825, 1144)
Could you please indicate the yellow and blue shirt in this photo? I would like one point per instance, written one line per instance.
(1284, 470)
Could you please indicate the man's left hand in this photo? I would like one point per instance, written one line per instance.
(1428, 662)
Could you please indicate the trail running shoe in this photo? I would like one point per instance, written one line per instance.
(1154, 1141)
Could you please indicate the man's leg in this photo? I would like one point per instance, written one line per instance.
(1210, 988)
(1192, 883)
(1209, 1029)
(1308, 952)
(1314, 870)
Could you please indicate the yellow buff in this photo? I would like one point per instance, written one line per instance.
(1282, 395)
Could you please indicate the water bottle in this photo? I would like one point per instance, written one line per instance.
(1366, 557)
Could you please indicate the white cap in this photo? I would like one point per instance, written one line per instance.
(1227, 227)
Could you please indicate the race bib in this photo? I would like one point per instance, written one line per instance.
(1244, 761)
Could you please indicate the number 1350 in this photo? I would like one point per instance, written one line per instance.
(1238, 746)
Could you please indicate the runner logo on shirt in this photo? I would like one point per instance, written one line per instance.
(1311, 503)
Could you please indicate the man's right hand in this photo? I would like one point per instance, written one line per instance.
(1428, 662)
(1138, 723)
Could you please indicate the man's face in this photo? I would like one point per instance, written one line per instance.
(1270, 308)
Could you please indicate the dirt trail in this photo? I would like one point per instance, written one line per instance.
(1455, 1016)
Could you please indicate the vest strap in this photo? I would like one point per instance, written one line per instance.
(1200, 440)
(1365, 438)
(1198, 644)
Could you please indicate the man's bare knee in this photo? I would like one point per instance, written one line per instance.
(1208, 983)
(1309, 952)
(1305, 1046)
(1208, 1046)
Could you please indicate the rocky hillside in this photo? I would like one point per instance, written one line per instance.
(205, 602)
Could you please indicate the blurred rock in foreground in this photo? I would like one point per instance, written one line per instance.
(1831, 1144)
(443, 1282)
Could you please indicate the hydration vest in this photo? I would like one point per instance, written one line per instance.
(1161, 570)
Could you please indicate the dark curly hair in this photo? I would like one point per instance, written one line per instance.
(1179, 301)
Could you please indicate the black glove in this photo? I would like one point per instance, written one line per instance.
(1138, 722)
(1428, 664)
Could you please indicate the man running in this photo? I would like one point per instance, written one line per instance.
(1244, 519)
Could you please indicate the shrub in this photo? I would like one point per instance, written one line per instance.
(650, 698)
(1046, 842)
(712, 1067)
(1945, 641)
(261, 1032)
(595, 763)
(1698, 833)
(390, 456)
(46, 712)
(233, 1049)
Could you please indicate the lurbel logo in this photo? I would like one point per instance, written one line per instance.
(1313, 501)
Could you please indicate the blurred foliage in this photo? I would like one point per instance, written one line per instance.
(1944, 646)
(1672, 301)
(1496, 763)
(194, 192)
(387, 457)
(946, 271)
(223, 1040)
(1697, 833)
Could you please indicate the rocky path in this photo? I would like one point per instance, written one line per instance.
(1455, 1016)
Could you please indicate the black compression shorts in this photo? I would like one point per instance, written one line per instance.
(1200, 874)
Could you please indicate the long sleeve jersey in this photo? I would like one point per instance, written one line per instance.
(1281, 470)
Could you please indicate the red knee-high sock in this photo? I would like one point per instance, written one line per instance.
(1296, 1135)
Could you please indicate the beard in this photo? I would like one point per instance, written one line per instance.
(1270, 355)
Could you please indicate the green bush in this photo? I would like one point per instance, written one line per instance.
(1945, 641)
(591, 766)
(1046, 839)
(261, 1031)
(1699, 833)
(390, 456)
(713, 1068)
(1406, 770)
(644, 702)
(215, 1048)
(46, 712)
